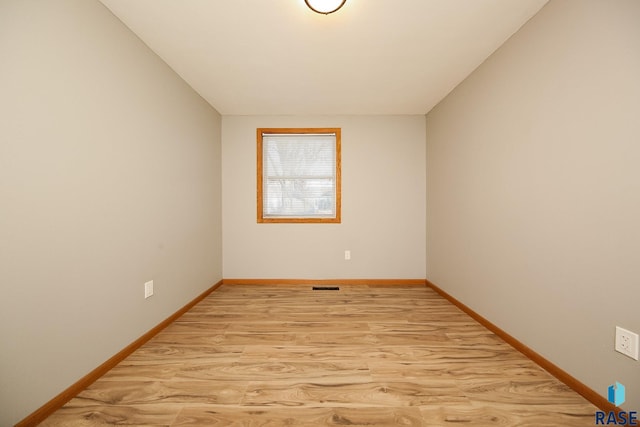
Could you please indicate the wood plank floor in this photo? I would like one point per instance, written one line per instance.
(290, 356)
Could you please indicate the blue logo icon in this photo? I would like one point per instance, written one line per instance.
(616, 394)
(616, 417)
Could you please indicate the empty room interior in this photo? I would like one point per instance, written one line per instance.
(489, 157)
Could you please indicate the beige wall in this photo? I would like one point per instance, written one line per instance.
(109, 177)
(383, 204)
(533, 194)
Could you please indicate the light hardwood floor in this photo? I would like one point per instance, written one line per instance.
(363, 355)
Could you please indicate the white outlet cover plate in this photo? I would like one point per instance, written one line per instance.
(148, 289)
(627, 342)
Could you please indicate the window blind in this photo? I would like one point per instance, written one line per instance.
(299, 175)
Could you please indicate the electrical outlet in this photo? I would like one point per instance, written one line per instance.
(347, 255)
(148, 289)
(627, 342)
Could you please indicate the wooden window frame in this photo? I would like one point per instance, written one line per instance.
(338, 175)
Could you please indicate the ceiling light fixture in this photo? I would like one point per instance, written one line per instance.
(325, 7)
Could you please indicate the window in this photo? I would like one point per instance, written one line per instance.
(299, 175)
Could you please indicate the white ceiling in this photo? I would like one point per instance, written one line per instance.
(279, 57)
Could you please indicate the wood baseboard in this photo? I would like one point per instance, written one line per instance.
(289, 282)
(57, 402)
(579, 387)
